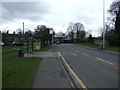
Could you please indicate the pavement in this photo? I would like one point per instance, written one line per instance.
(50, 73)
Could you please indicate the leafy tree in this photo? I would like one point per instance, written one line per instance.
(43, 33)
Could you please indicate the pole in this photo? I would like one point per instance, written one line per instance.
(23, 27)
(52, 38)
(74, 37)
(103, 24)
(27, 43)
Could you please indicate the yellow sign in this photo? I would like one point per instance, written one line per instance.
(37, 45)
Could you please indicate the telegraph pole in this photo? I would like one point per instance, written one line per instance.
(74, 36)
(52, 38)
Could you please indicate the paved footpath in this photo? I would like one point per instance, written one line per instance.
(50, 73)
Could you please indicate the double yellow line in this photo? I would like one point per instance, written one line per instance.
(74, 75)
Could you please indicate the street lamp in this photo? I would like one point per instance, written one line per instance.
(103, 24)
(23, 27)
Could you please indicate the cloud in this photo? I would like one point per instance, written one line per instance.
(24, 10)
(54, 13)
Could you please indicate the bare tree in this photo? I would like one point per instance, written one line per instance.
(115, 15)
(76, 30)
(19, 31)
(101, 31)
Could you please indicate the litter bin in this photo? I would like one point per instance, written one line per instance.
(101, 46)
(20, 53)
(30, 51)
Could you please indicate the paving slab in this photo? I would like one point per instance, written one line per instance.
(50, 73)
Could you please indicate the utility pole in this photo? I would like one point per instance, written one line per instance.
(52, 38)
(103, 24)
(23, 27)
(74, 36)
(51, 32)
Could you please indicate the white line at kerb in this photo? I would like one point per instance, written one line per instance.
(105, 61)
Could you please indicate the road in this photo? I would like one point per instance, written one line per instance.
(95, 68)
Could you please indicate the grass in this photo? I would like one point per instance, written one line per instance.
(17, 72)
(89, 45)
(114, 48)
(7, 49)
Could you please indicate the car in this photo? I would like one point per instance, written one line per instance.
(2, 43)
(58, 42)
(17, 44)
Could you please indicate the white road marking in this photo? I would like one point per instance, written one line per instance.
(75, 54)
(105, 61)
(59, 54)
(86, 54)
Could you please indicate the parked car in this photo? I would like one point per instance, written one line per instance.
(2, 43)
(58, 42)
(17, 44)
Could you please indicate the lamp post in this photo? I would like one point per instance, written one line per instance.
(23, 27)
(103, 24)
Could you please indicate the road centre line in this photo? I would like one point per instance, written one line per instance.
(83, 86)
(98, 60)
(85, 53)
(105, 61)
(75, 54)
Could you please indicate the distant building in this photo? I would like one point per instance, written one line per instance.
(9, 38)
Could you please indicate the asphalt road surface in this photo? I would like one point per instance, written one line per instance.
(95, 68)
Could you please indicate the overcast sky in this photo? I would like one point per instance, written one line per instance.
(54, 13)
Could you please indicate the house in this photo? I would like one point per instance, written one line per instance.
(9, 38)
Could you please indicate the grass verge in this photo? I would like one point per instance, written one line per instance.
(17, 72)
(114, 48)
